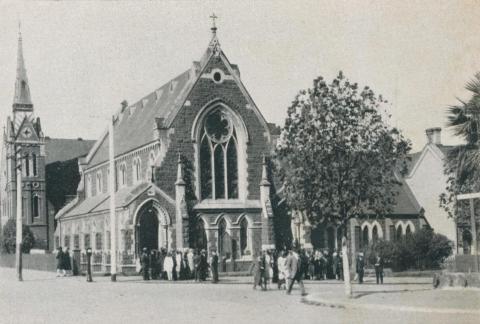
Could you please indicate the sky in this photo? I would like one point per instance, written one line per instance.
(85, 57)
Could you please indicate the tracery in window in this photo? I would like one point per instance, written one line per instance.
(218, 157)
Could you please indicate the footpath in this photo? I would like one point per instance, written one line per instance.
(407, 294)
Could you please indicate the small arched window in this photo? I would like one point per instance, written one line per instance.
(408, 231)
(375, 234)
(99, 182)
(243, 236)
(89, 186)
(35, 207)
(398, 233)
(151, 165)
(223, 239)
(137, 171)
(365, 237)
(123, 174)
(34, 164)
(26, 165)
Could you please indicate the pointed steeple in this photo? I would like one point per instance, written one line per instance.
(21, 99)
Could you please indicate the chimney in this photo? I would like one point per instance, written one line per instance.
(434, 135)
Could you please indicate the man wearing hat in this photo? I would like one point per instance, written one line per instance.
(214, 266)
(145, 260)
(360, 267)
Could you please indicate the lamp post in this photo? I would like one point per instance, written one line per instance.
(111, 188)
(89, 265)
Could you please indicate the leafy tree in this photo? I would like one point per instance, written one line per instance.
(462, 161)
(337, 156)
(10, 234)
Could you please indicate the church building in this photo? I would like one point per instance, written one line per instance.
(190, 172)
(25, 146)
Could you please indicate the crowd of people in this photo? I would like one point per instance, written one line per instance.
(178, 265)
(295, 265)
(64, 262)
(283, 267)
(276, 266)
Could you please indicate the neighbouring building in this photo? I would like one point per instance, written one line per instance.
(25, 145)
(189, 172)
(427, 181)
(406, 217)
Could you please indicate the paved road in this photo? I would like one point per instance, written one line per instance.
(43, 298)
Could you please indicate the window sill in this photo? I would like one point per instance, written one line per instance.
(228, 204)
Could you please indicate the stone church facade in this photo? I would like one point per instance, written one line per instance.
(190, 172)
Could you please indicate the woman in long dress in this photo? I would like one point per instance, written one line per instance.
(168, 266)
(282, 270)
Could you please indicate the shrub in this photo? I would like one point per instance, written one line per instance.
(422, 250)
(10, 234)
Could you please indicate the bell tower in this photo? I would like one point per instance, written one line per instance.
(24, 147)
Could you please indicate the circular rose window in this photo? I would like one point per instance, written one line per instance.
(218, 126)
(217, 76)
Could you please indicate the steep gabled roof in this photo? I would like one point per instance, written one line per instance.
(134, 125)
(101, 202)
(63, 149)
(405, 201)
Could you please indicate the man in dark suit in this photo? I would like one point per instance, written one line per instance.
(196, 265)
(379, 268)
(145, 260)
(214, 266)
(360, 267)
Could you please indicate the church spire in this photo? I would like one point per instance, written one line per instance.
(21, 98)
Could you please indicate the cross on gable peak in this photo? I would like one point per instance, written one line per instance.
(214, 26)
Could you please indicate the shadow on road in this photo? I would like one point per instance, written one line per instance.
(360, 294)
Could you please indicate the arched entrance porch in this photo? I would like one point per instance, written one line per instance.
(152, 227)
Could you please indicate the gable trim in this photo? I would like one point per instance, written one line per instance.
(436, 153)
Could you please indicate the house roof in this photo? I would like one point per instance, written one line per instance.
(445, 148)
(406, 203)
(134, 125)
(101, 202)
(63, 149)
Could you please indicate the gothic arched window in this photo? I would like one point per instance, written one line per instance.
(35, 207)
(218, 157)
(223, 239)
(34, 165)
(365, 237)
(408, 231)
(26, 166)
(137, 173)
(89, 186)
(243, 236)
(123, 174)
(99, 183)
(398, 234)
(375, 234)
